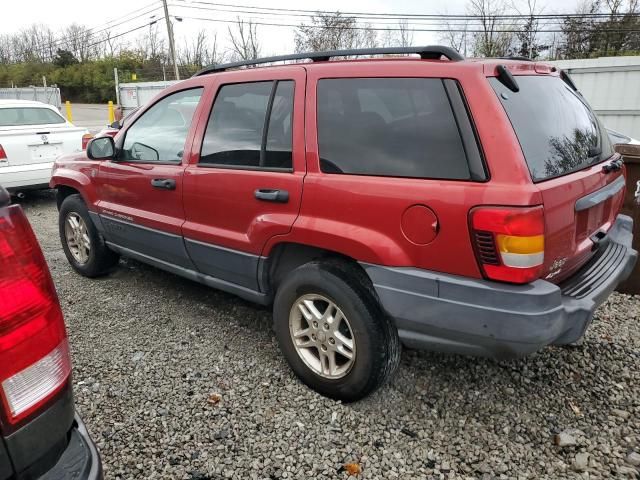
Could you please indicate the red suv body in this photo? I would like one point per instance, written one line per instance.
(472, 205)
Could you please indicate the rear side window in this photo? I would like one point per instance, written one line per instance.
(400, 127)
(556, 128)
(251, 126)
(10, 117)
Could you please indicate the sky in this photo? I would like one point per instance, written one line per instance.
(275, 40)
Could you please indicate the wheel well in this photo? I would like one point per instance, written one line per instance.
(63, 191)
(286, 257)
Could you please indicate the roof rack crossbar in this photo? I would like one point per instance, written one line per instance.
(433, 52)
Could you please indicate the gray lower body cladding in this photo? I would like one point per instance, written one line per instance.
(441, 312)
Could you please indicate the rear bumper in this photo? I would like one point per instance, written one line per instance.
(80, 460)
(455, 314)
(24, 176)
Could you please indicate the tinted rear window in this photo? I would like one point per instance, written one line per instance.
(402, 127)
(557, 130)
(10, 117)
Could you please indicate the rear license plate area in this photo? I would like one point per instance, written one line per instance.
(43, 153)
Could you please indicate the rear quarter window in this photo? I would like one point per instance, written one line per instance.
(556, 128)
(18, 116)
(398, 127)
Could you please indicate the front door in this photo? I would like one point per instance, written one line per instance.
(141, 191)
(244, 184)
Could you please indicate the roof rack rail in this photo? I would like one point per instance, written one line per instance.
(517, 57)
(433, 52)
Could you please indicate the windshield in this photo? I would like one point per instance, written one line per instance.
(557, 130)
(17, 116)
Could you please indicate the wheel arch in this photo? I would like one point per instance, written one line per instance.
(64, 191)
(285, 257)
(69, 182)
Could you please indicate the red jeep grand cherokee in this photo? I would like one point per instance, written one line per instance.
(468, 206)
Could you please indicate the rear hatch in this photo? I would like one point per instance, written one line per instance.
(565, 147)
(26, 139)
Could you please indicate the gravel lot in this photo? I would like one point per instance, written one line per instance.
(150, 348)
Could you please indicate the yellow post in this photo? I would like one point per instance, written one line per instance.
(112, 116)
(67, 105)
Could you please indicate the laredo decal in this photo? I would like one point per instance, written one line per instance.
(118, 215)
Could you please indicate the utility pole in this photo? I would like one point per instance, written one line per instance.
(117, 83)
(172, 48)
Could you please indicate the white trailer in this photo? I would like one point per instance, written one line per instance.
(134, 95)
(611, 85)
(48, 95)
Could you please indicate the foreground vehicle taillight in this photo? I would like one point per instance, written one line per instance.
(34, 354)
(509, 242)
(85, 140)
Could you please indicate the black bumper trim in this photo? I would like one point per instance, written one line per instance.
(80, 460)
(454, 314)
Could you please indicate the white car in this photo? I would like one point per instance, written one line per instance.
(32, 136)
(618, 138)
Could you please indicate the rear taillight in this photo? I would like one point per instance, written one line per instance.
(85, 140)
(3, 155)
(34, 355)
(509, 242)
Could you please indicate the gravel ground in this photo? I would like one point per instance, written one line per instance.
(176, 380)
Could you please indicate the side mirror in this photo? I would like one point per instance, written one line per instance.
(101, 148)
(115, 125)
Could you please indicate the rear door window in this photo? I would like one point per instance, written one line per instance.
(556, 128)
(399, 127)
(28, 116)
(251, 126)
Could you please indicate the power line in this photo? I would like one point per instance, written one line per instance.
(92, 32)
(377, 29)
(545, 26)
(406, 15)
(122, 34)
(421, 21)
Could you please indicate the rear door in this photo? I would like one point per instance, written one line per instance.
(565, 146)
(35, 134)
(393, 165)
(141, 191)
(244, 183)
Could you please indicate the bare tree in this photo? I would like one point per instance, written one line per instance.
(244, 40)
(78, 39)
(401, 36)
(200, 51)
(529, 30)
(455, 35)
(112, 46)
(334, 32)
(496, 36)
(6, 50)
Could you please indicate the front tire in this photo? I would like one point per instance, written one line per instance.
(333, 332)
(83, 245)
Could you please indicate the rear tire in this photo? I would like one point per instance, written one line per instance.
(83, 245)
(342, 293)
